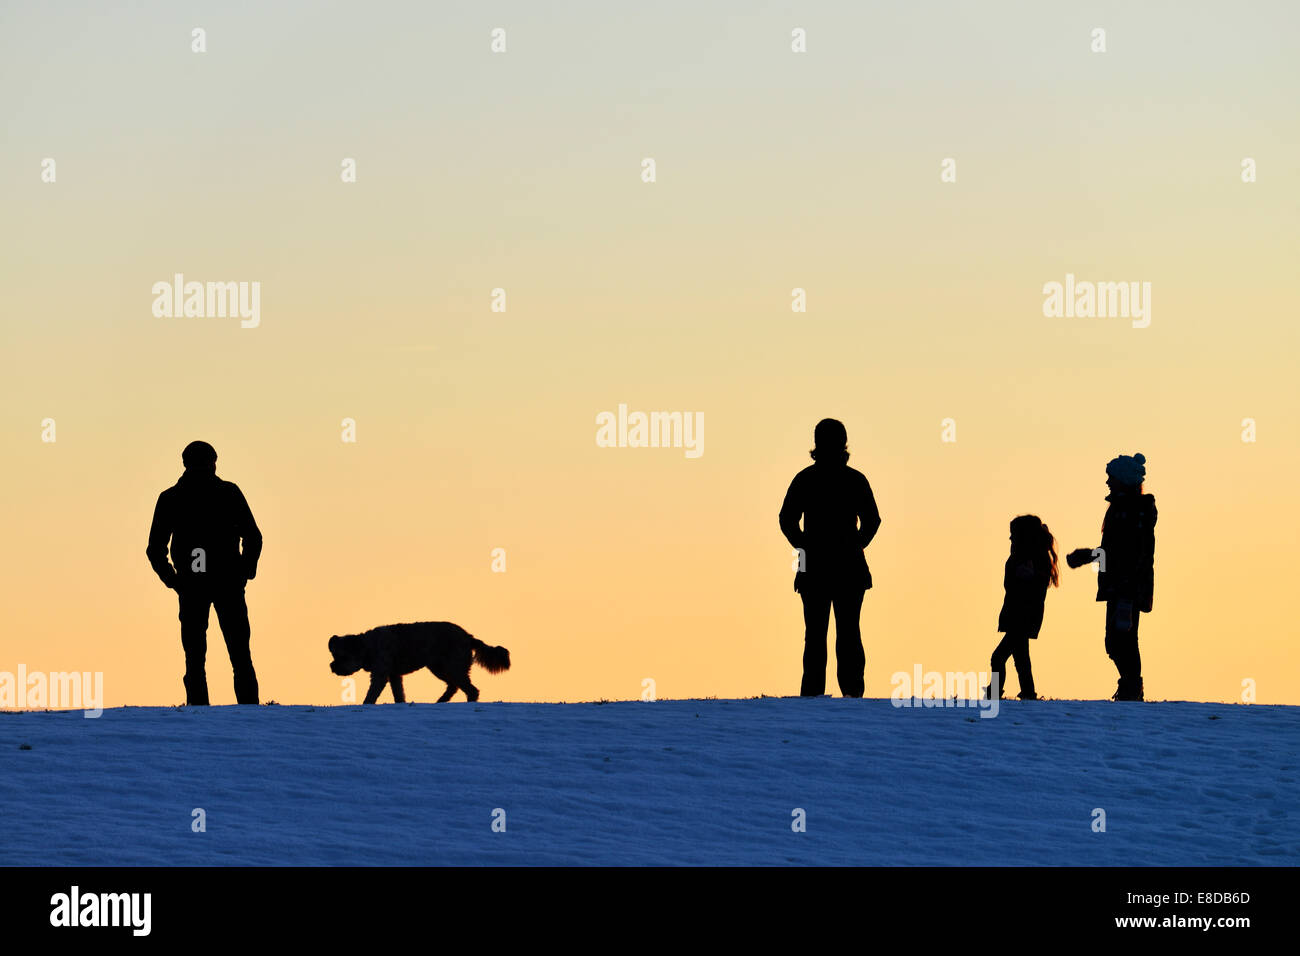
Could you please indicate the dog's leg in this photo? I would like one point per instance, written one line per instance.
(377, 684)
(470, 690)
(451, 685)
(399, 695)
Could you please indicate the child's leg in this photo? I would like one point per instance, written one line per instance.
(1020, 651)
(1130, 663)
(1121, 647)
(999, 663)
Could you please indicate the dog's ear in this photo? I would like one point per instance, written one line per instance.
(334, 645)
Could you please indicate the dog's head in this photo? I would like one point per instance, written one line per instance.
(347, 653)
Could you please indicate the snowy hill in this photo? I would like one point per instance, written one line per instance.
(666, 782)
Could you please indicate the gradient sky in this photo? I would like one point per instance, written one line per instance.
(476, 429)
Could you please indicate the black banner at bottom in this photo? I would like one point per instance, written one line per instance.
(920, 905)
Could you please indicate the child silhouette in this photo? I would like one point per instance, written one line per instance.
(1126, 571)
(1029, 570)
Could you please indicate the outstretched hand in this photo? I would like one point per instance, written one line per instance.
(1079, 557)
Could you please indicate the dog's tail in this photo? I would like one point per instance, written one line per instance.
(494, 660)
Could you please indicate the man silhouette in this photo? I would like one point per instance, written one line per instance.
(205, 518)
(839, 520)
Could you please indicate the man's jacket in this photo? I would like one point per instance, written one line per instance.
(209, 515)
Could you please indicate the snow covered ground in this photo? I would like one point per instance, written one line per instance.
(665, 782)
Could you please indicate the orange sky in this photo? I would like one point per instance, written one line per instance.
(476, 429)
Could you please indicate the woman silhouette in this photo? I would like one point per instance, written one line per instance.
(839, 520)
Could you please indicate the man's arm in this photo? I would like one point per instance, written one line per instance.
(160, 534)
(868, 515)
(791, 512)
(249, 533)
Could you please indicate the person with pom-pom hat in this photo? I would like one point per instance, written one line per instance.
(1126, 567)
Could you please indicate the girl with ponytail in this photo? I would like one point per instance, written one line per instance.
(1029, 570)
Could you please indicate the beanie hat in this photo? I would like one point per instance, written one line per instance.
(1128, 470)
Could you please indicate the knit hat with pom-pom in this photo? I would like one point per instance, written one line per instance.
(1128, 470)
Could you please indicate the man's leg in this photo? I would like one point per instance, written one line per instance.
(194, 639)
(850, 658)
(232, 612)
(816, 616)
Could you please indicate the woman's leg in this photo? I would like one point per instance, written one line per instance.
(850, 658)
(816, 618)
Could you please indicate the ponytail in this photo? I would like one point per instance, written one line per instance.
(1049, 543)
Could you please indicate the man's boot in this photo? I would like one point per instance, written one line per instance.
(246, 687)
(196, 690)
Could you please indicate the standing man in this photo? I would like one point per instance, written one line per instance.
(205, 520)
(839, 520)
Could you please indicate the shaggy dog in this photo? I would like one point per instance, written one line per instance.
(390, 651)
